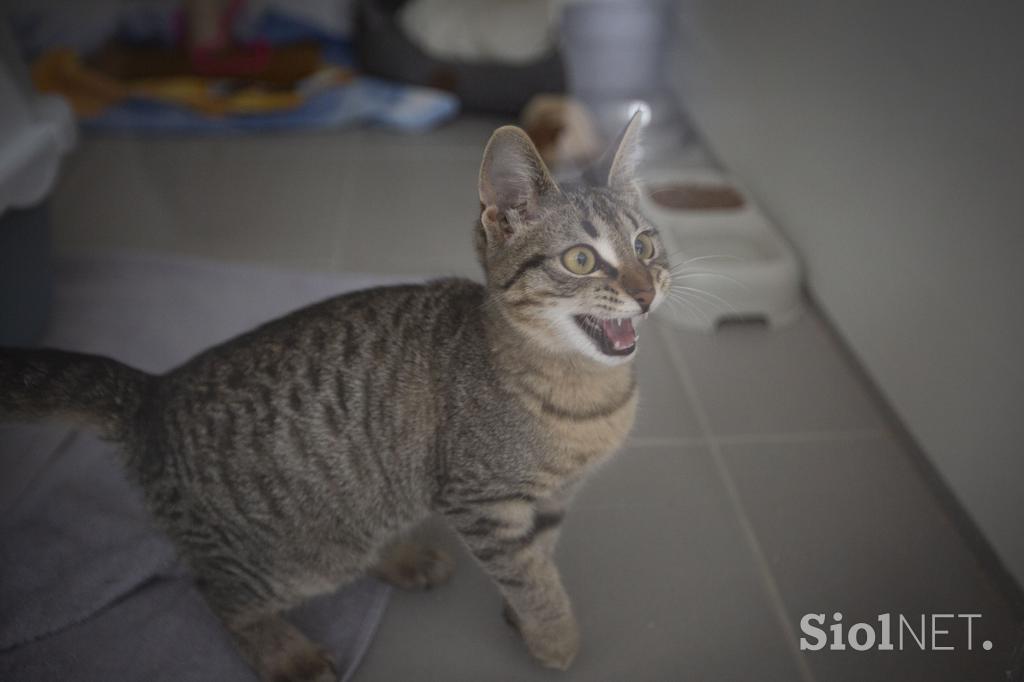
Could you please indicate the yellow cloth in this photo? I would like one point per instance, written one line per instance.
(91, 92)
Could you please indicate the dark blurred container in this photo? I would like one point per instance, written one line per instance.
(26, 275)
(35, 132)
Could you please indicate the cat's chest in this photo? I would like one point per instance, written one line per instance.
(580, 443)
(583, 428)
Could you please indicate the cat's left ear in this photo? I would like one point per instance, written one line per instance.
(513, 180)
(617, 168)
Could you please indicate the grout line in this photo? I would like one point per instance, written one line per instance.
(350, 174)
(803, 436)
(764, 568)
(582, 508)
(753, 438)
(666, 441)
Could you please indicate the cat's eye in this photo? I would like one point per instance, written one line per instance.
(579, 260)
(644, 246)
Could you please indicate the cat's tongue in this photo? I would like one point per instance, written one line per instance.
(620, 332)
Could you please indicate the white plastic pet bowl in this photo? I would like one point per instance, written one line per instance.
(729, 262)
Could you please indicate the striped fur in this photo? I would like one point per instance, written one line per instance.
(287, 461)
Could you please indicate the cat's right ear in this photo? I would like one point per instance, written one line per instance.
(513, 178)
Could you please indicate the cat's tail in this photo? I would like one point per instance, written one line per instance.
(39, 383)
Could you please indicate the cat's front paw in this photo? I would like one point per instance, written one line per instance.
(411, 566)
(555, 643)
(312, 665)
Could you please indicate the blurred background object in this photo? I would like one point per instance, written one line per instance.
(615, 53)
(563, 130)
(35, 133)
(211, 66)
(732, 264)
(482, 66)
(505, 31)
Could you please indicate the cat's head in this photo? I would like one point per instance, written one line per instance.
(575, 267)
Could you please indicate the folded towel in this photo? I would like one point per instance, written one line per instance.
(89, 589)
(75, 540)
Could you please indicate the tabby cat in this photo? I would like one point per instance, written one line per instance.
(285, 462)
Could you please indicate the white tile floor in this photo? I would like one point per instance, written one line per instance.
(761, 482)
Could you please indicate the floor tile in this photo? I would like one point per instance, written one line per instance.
(850, 527)
(464, 135)
(754, 380)
(270, 199)
(413, 199)
(659, 575)
(413, 215)
(664, 410)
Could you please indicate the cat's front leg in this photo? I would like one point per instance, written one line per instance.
(509, 539)
(550, 512)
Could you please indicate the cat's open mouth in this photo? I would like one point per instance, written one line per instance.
(612, 336)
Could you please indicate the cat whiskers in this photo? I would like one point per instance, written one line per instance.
(705, 273)
(696, 259)
(680, 298)
(685, 269)
(708, 297)
(696, 299)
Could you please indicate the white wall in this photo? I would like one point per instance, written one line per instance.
(887, 139)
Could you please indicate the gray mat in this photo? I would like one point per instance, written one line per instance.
(88, 589)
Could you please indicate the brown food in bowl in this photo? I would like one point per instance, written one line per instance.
(691, 197)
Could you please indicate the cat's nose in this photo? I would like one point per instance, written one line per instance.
(642, 296)
(638, 283)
